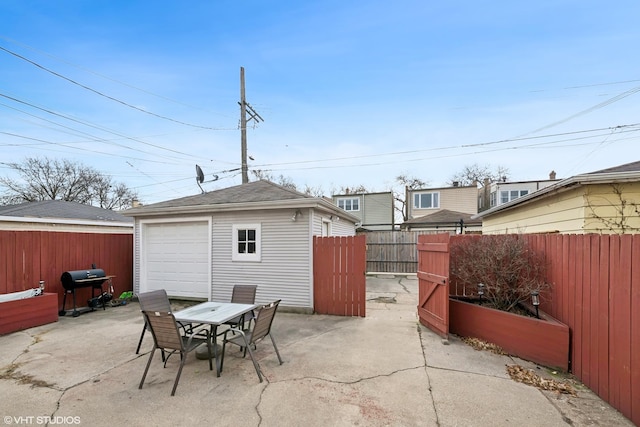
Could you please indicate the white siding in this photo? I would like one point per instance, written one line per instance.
(285, 269)
(136, 257)
(342, 228)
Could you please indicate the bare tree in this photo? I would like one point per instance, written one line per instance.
(287, 182)
(406, 182)
(47, 179)
(615, 215)
(316, 191)
(477, 173)
(353, 189)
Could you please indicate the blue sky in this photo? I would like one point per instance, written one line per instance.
(351, 92)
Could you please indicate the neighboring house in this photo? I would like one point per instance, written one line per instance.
(498, 193)
(441, 209)
(58, 215)
(426, 201)
(443, 221)
(257, 233)
(605, 201)
(375, 210)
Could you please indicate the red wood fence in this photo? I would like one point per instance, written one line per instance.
(339, 281)
(595, 291)
(26, 257)
(433, 282)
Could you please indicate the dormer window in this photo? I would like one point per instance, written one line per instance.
(426, 200)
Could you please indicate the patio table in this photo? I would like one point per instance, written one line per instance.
(214, 314)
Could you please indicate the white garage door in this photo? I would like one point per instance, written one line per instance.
(176, 258)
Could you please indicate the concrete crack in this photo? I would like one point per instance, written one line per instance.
(426, 372)
(357, 381)
(406, 290)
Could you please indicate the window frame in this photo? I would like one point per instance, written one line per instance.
(236, 255)
(350, 199)
(509, 194)
(418, 196)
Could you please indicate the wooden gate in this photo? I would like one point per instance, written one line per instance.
(433, 282)
(339, 281)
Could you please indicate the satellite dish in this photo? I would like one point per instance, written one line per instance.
(199, 177)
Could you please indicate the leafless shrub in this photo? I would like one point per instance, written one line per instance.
(509, 269)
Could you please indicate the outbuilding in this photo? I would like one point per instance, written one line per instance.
(259, 233)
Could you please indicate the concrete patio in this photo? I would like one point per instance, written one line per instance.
(385, 369)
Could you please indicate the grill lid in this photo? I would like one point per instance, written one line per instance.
(69, 278)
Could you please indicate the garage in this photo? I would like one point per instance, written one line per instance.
(176, 258)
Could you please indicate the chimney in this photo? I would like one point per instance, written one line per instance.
(135, 203)
(552, 175)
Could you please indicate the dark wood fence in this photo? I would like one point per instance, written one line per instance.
(392, 251)
(339, 281)
(596, 291)
(26, 257)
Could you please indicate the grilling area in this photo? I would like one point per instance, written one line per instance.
(93, 278)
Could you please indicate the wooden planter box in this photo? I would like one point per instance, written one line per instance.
(29, 312)
(544, 341)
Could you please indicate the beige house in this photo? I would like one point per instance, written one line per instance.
(442, 209)
(605, 201)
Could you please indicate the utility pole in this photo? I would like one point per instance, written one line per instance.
(253, 115)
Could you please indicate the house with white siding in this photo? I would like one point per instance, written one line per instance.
(500, 192)
(375, 210)
(259, 233)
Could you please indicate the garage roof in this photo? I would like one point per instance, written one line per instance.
(61, 209)
(253, 195)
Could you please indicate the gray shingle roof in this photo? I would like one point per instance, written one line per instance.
(627, 167)
(443, 216)
(257, 191)
(61, 209)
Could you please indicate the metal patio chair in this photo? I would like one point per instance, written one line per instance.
(246, 338)
(167, 337)
(242, 294)
(157, 301)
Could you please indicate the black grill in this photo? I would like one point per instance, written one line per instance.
(72, 280)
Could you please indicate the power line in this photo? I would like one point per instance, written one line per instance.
(95, 127)
(588, 110)
(530, 146)
(479, 144)
(57, 144)
(105, 95)
(88, 70)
